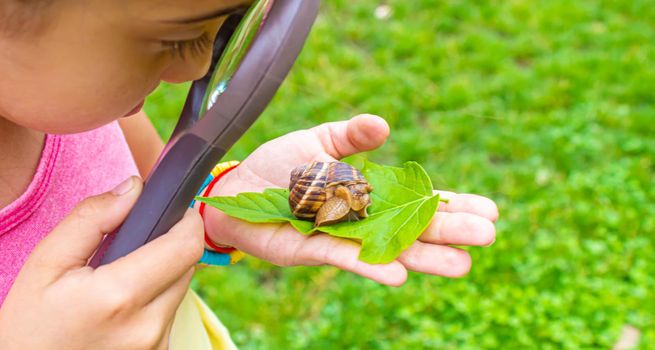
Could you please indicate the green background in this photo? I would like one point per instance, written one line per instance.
(544, 106)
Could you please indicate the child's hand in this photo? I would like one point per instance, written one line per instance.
(465, 220)
(57, 302)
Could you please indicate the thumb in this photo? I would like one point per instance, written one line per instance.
(361, 133)
(78, 235)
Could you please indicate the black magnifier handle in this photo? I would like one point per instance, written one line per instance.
(191, 155)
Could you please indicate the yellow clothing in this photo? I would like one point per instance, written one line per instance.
(197, 328)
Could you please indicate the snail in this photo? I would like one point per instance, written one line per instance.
(329, 192)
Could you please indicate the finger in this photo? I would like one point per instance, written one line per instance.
(359, 134)
(343, 253)
(436, 260)
(165, 342)
(151, 269)
(460, 229)
(165, 305)
(156, 319)
(77, 236)
(283, 245)
(468, 203)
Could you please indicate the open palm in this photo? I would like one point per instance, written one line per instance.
(465, 220)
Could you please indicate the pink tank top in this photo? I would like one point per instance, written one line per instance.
(71, 168)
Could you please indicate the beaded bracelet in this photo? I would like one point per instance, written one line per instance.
(222, 255)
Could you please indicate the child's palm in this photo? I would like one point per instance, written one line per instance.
(466, 220)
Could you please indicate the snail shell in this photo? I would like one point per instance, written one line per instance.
(328, 192)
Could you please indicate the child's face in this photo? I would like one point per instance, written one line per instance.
(94, 61)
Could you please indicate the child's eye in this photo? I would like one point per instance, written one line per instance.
(194, 46)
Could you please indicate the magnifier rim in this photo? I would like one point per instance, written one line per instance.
(240, 50)
(193, 153)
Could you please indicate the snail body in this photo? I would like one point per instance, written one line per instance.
(329, 192)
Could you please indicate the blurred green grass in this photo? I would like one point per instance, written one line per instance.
(544, 106)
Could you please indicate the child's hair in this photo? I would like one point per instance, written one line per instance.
(22, 16)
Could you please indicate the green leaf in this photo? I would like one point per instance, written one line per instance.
(403, 205)
(271, 206)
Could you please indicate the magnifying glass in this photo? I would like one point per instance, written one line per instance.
(253, 53)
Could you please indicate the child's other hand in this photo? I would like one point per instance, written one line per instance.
(57, 302)
(465, 220)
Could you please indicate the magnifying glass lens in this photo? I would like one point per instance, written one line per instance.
(234, 52)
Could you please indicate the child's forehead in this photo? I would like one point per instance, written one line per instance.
(170, 10)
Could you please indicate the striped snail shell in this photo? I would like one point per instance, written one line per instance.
(329, 192)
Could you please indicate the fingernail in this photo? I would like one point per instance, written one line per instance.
(124, 187)
(492, 243)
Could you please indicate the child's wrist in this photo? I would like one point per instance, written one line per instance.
(216, 253)
(219, 174)
(217, 224)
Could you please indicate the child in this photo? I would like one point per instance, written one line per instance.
(70, 70)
